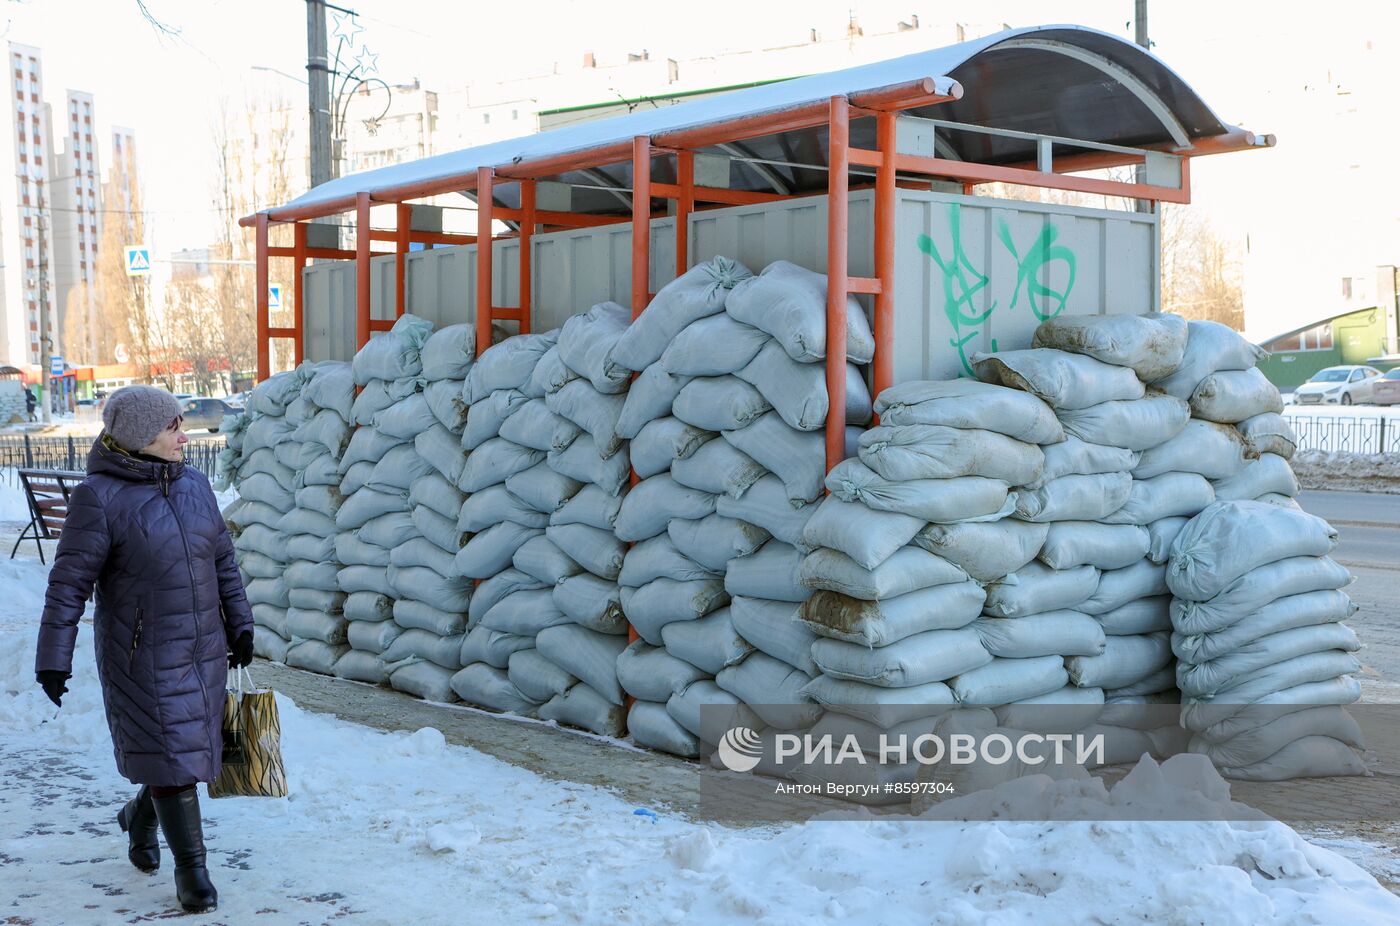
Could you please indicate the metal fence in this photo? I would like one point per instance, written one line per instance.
(70, 453)
(1347, 434)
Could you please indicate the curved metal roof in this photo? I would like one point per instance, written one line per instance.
(1067, 81)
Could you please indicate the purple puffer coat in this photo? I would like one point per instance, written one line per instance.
(170, 603)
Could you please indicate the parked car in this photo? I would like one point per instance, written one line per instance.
(206, 413)
(1387, 391)
(1347, 385)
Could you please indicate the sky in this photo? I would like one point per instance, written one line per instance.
(1250, 64)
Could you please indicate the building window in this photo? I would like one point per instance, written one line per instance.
(486, 118)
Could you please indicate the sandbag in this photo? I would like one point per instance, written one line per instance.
(539, 557)
(406, 418)
(312, 625)
(712, 346)
(719, 403)
(771, 572)
(598, 551)
(1268, 474)
(1075, 498)
(1255, 589)
(867, 536)
(536, 677)
(772, 689)
(585, 654)
(883, 707)
(535, 426)
(719, 469)
(1153, 345)
(426, 585)
(419, 615)
(1075, 457)
(1161, 534)
(714, 540)
(1050, 633)
(586, 344)
(934, 655)
(789, 303)
(1060, 379)
(941, 500)
(389, 530)
(494, 506)
(656, 558)
(881, 623)
(1004, 681)
(664, 601)
(591, 506)
(1138, 424)
(591, 602)
(653, 502)
(1269, 433)
(698, 293)
(438, 494)
(1229, 539)
(797, 391)
(582, 461)
(593, 411)
(921, 451)
(485, 416)
(651, 725)
(490, 551)
(583, 707)
(350, 550)
(1306, 610)
(314, 655)
(483, 645)
(312, 575)
(524, 613)
(449, 352)
(309, 547)
(1035, 588)
(506, 365)
(372, 400)
(543, 488)
(1165, 496)
(651, 674)
(495, 461)
(649, 398)
(1210, 347)
(315, 599)
(488, 686)
(1235, 395)
(766, 505)
(986, 551)
(1117, 587)
(709, 643)
(720, 709)
(1124, 660)
(362, 665)
(772, 627)
(396, 354)
(1087, 543)
(489, 592)
(1203, 679)
(970, 404)
(549, 376)
(368, 606)
(798, 458)
(1215, 451)
(907, 569)
(662, 441)
(1145, 615)
(397, 470)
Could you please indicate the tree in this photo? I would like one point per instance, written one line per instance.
(1200, 269)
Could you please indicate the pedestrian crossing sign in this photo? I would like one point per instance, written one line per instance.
(138, 261)
(274, 298)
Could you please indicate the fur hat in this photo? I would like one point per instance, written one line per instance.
(135, 415)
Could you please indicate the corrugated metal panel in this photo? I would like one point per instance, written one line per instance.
(328, 310)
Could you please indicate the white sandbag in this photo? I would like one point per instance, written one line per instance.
(1004, 681)
(271, 396)
(714, 540)
(350, 550)
(524, 613)
(490, 551)
(1261, 742)
(710, 643)
(543, 488)
(1215, 451)
(970, 404)
(489, 592)
(372, 400)
(1235, 395)
(719, 710)
(583, 462)
(536, 677)
(797, 391)
(327, 429)
(907, 569)
(539, 557)
(884, 707)
(934, 655)
(766, 505)
(1306, 610)
(772, 627)
(652, 674)
(651, 725)
(495, 461)
(395, 354)
(445, 402)
(698, 293)
(1229, 539)
(589, 409)
(1117, 587)
(598, 551)
(270, 543)
(664, 601)
(420, 551)
(1308, 757)
(712, 346)
(314, 655)
(719, 469)
(591, 506)
(449, 352)
(257, 566)
(485, 416)
(356, 477)
(306, 521)
(362, 665)
(922, 451)
(549, 376)
(357, 578)
(1125, 659)
(367, 444)
(867, 536)
(1161, 534)
(798, 458)
(1314, 678)
(437, 493)
(586, 343)
(494, 506)
(1270, 474)
(426, 585)
(657, 558)
(772, 689)
(587, 655)
(591, 602)
(533, 425)
(261, 487)
(1145, 615)
(583, 707)
(488, 686)
(719, 403)
(1165, 496)
(1035, 588)
(312, 625)
(1051, 633)
(1075, 498)
(662, 441)
(389, 530)
(1086, 543)
(309, 547)
(482, 645)
(789, 303)
(649, 398)
(1210, 347)
(986, 551)
(1256, 588)
(880, 623)
(1138, 424)
(397, 470)
(1204, 679)
(1062, 380)
(507, 365)
(368, 606)
(419, 615)
(270, 618)
(324, 470)
(407, 418)
(315, 599)
(312, 575)
(1269, 433)
(770, 572)
(1152, 344)
(653, 502)
(942, 500)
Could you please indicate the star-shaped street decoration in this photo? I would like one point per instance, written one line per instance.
(366, 62)
(346, 26)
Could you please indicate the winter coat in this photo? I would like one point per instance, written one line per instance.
(170, 603)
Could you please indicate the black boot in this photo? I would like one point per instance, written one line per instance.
(184, 835)
(138, 820)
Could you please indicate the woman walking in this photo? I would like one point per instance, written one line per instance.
(171, 618)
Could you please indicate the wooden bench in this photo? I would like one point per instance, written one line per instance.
(47, 491)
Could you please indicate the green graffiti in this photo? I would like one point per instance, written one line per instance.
(1044, 301)
(962, 281)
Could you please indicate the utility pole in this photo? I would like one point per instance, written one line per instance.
(318, 91)
(1140, 37)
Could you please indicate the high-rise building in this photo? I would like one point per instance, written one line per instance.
(76, 224)
(27, 233)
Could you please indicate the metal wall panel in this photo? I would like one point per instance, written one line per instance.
(328, 310)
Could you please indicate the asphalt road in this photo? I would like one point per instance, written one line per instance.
(1369, 525)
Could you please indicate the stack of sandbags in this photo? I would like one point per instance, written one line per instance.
(510, 491)
(13, 406)
(1265, 661)
(265, 482)
(376, 470)
(315, 623)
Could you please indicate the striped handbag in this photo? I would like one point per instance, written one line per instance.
(252, 753)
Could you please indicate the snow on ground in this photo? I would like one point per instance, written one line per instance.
(387, 828)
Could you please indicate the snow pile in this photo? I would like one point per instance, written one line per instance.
(1265, 661)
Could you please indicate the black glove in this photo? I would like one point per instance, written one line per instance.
(53, 682)
(242, 653)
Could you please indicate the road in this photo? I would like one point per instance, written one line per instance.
(1369, 525)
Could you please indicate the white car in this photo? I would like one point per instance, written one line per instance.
(1348, 385)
